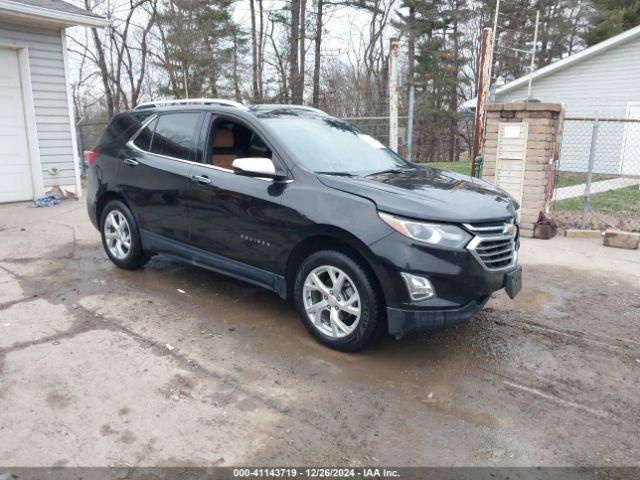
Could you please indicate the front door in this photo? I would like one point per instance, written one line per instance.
(15, 167)
(237, 217)
(157, 163)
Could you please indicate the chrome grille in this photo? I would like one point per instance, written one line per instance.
(494, 244)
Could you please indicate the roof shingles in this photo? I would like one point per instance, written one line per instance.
(59, 5)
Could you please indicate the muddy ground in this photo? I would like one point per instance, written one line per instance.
(100, 366)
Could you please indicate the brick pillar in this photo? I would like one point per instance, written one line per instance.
(533, 147)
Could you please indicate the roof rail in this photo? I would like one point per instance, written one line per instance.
(191, 101)
(310, 109)
(290, 106)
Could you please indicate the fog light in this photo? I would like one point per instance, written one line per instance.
(420, 288)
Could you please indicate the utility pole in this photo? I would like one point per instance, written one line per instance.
(482, 91)
(533, 53)
(393, 94)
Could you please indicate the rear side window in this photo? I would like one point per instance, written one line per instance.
(143, 139)
(174, 135)
(121, 127)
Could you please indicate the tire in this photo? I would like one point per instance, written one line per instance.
(313, 294)
(128, 257)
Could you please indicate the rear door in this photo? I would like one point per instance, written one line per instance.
(155, 173)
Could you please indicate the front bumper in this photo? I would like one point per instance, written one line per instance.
(462, 285)
(403, 321)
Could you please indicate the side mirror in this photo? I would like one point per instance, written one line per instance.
(256, 167)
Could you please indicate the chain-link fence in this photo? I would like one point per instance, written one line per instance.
(88, 134)
(372, 117)
(378, 128)
(597, 176)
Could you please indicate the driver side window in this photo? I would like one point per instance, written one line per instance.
(230, 140)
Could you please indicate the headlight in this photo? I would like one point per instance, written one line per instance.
(447, 236)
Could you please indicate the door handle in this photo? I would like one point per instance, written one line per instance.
(131, 162)
(201, 179)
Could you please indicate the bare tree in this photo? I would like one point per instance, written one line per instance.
(317, 53)
(121, 53)
(296, 79)
(254, 53)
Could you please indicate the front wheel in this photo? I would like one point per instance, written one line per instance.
(337, 300)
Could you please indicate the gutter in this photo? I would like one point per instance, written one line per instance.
(11, 8)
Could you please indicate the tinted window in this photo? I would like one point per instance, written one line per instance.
(143, 140)
(174, 135)
(121, 127)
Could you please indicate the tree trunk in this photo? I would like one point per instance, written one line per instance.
(316, 63)
(236, 79)
(254, 52)
(260, 49)
(104, 72)
(453, 93)
(302, 50)
(294, 42)
(411, 58)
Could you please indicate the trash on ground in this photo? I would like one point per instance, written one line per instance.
(47, 201)
(181, 290)
(170, 347)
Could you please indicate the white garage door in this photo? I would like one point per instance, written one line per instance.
(15, 169)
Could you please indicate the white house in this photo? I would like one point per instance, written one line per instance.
(602, 80)
(37, 136)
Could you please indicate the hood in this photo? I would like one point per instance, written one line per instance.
(430, 194)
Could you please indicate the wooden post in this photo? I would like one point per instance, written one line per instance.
(482, 89)
(393, 94)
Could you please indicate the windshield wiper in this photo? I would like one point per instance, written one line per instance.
(390, 170)
(339, 174)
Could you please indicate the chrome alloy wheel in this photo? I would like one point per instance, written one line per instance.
(117, 234)
(331, 301)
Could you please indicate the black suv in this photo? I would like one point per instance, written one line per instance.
(304, 204)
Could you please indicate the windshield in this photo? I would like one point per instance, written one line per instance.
(330, 145)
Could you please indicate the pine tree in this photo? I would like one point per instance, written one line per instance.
(199, 39)
(611, 18)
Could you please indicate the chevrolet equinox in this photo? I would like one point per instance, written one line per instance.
(308, 206)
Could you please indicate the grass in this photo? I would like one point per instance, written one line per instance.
(568, 179)
(463, 166)
(624, 202)
(565, 179)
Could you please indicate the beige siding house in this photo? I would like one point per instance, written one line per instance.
(37, 135)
